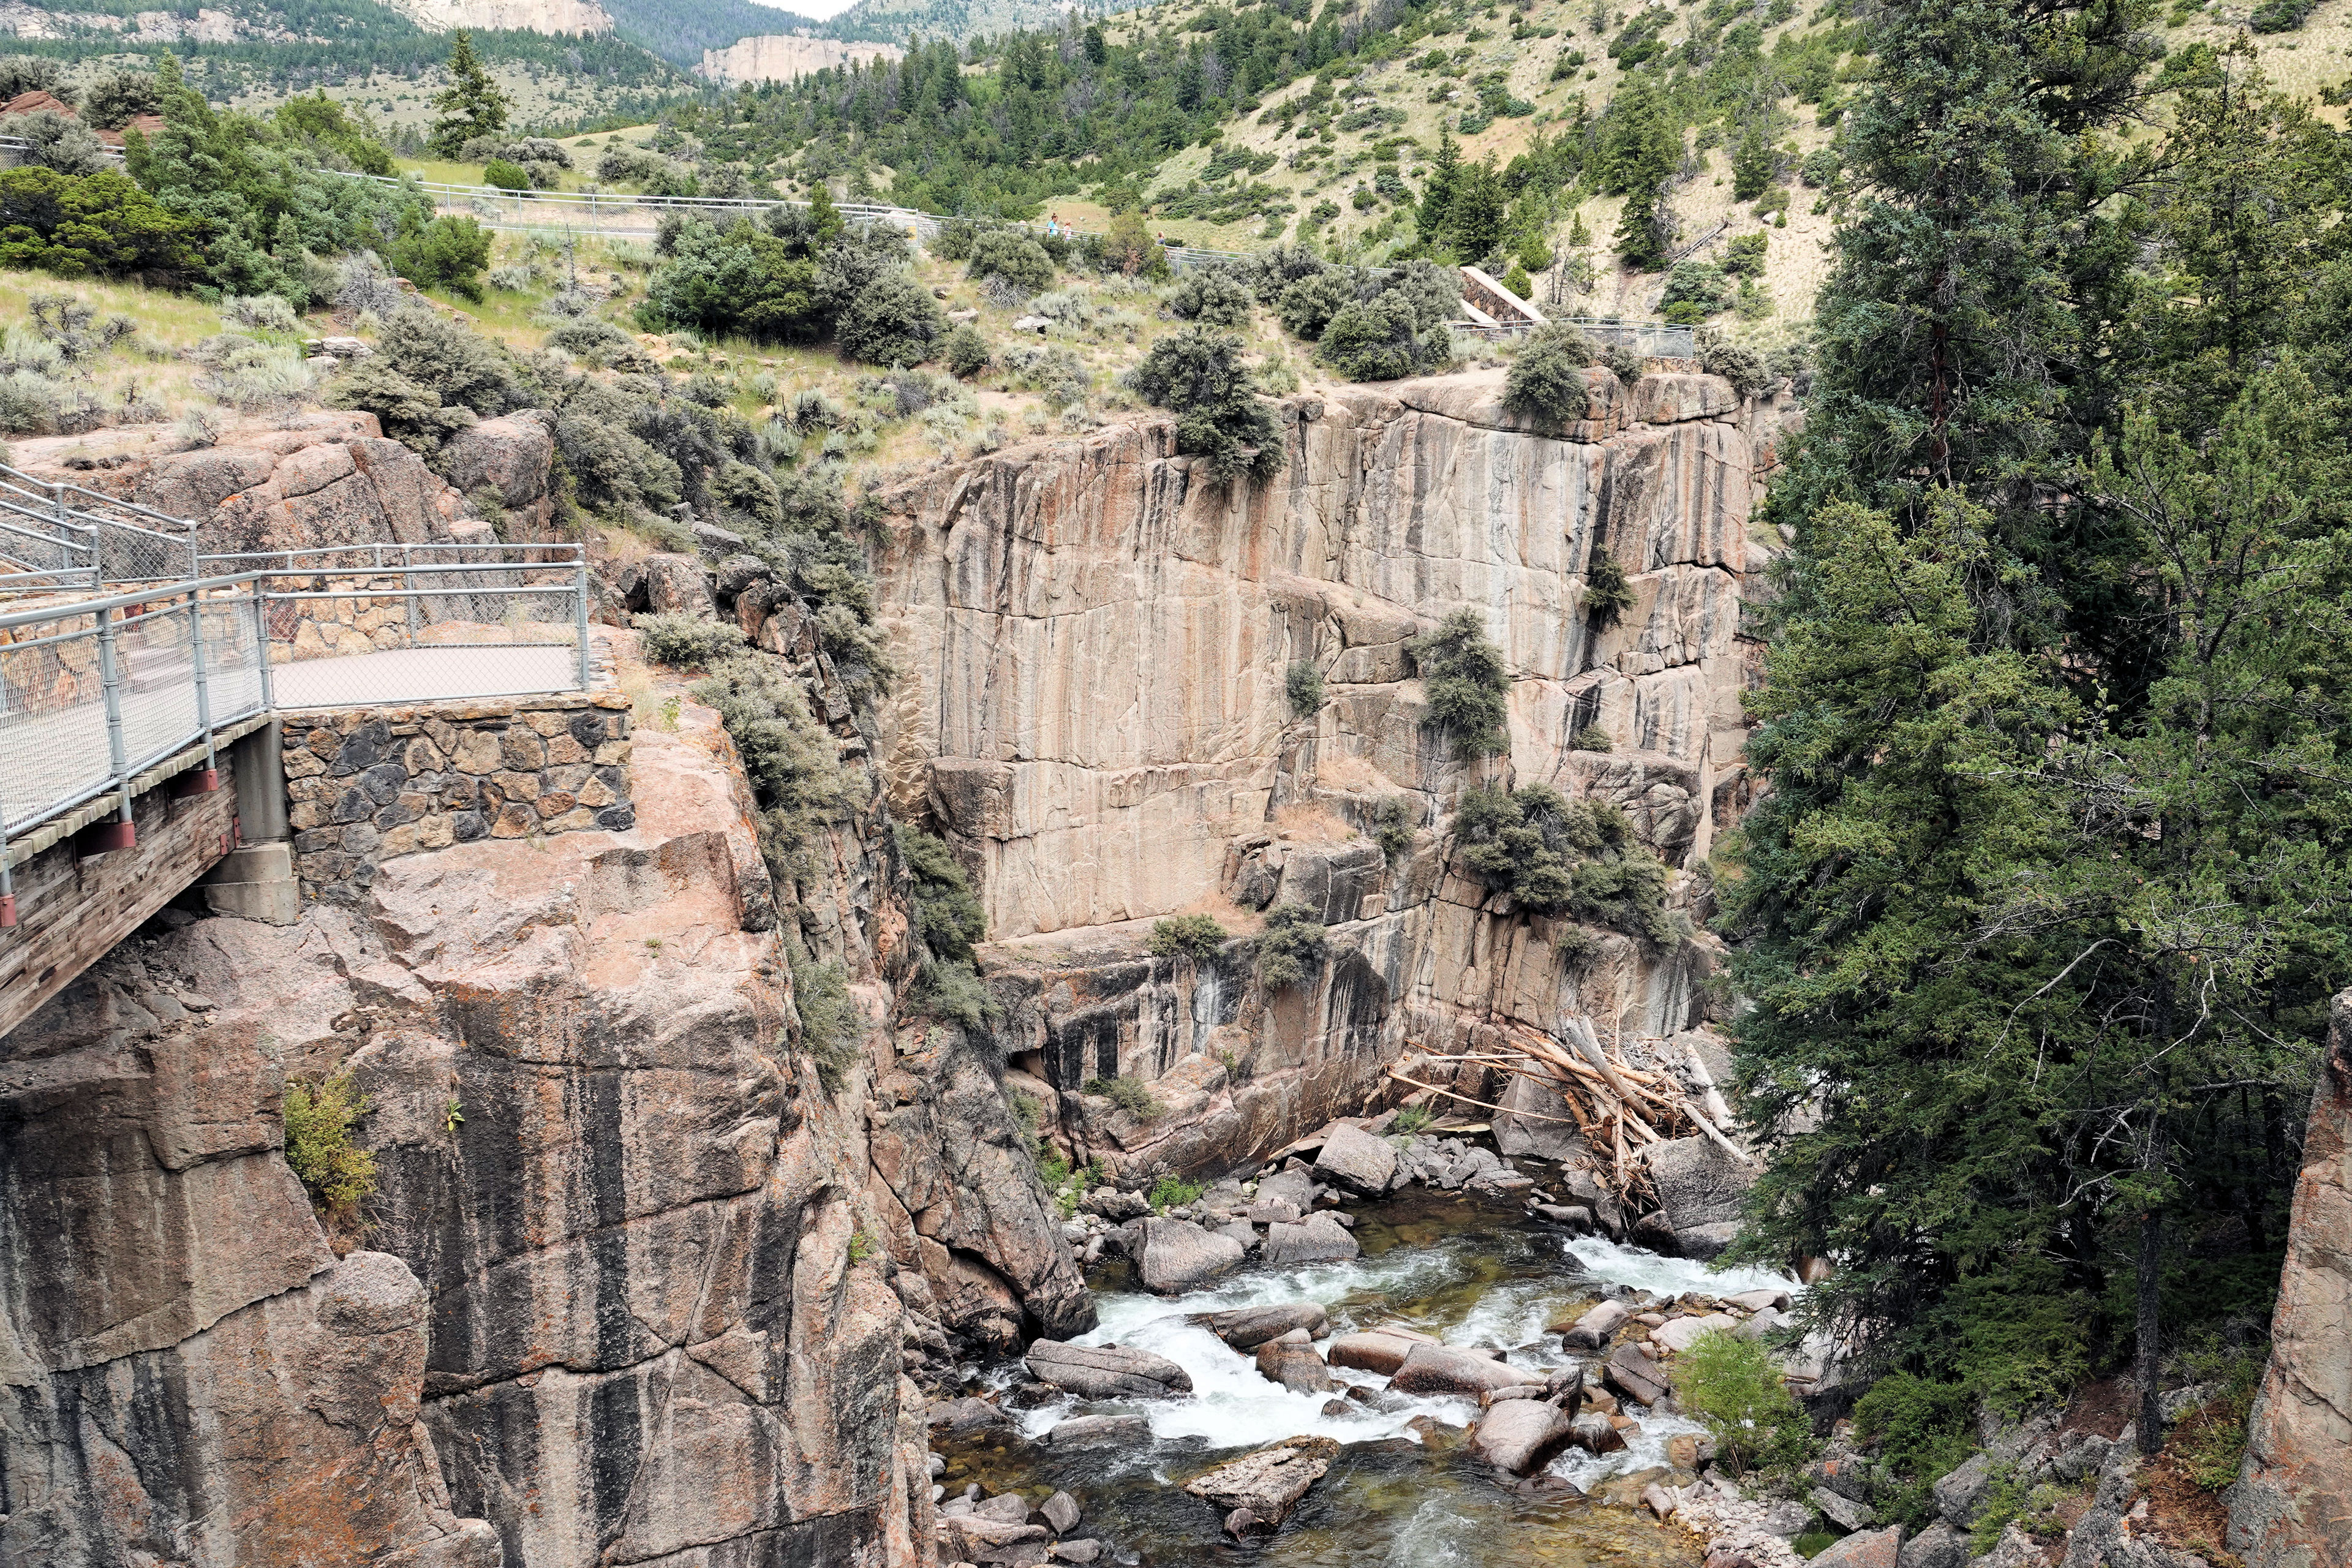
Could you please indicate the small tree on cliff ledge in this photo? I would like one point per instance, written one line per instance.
(1198, 373)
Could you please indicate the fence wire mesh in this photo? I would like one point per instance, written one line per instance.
(53, 745)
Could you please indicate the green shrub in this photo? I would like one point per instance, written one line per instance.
(964, 350)
(318, 1149)
(945, 911)
(1694, 290)
(1730, 1386)
(789, 757)
(92, 224)
(1211, 295)
(1624, 363)
(506, 175)
(1575, 945)
(1556, 855)
(1198, 373)
(1174, 1193)
(1378, 340)
(1393, 827)
(685, 642)
(891, 320)
(1744, 368)
(1924, 1429)
(1593, 738)
(448, 253)
(1607, 593)
(1821, 167)
(1465, 682)
(1303, 684)
(1545, 381)
(1131, 1095)
(1308, 303)
(249, 375)
(1744, 256)
(829, 1021)
(1412, 1118)
(1196, 937)
(1009, 254)
(952, 989)
(1291, 943)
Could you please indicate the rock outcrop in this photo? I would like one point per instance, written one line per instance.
(1095, 640)
(635, 1283)
(786, 57)
(2291, 1505)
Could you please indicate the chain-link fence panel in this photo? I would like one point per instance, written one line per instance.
(53, 746)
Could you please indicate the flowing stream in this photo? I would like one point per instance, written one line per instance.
(1401, 1491)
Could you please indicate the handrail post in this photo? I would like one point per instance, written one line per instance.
(203, 690)
(409, 588)
(261, 643)
(110, 672)
(580, 615)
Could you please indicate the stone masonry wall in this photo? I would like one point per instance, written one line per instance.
(369, 784)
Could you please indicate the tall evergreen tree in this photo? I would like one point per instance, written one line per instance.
(472, 106)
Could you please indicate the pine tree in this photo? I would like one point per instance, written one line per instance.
(1437, 192)
(1642, 153)
(472, 106)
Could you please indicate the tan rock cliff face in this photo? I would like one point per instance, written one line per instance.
(616, 1307)
(521, 16)
(783, 56)
(2292, 1506)
(1097, 641)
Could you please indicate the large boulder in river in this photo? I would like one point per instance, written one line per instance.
(1176, 1256)
(1106, 1372)
(1590, 1331)
(1381, 1352)
(1518, 1434)
(1700, 1188)
(1317, 1238)
(1681, 1333)
(1442, 1369)
(1295, 1188)
(1354, 1159)
(1269, 1483)
(1100, 1431)
(1247, 1328)
(1291, 1361)
(1636, 1376)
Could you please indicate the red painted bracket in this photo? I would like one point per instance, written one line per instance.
(106, 837)
(7, 910)
(196, 781)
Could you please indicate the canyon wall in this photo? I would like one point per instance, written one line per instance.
(787, 57)
(1094, 711)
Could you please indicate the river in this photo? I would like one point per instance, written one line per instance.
(1401, 1491)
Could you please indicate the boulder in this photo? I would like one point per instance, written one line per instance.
(1295, 1188)
(510, 456)
(1869, 1549)
(1291, 1361)
(1843, 1511)
(1317, 1238)
(1077, 1550)
(1060, 1512)
(1534, 1119)
(1634, 1375)
(1378, 1352)
(1575, 1216)
(1595, 1433)
(1763, 1323)
(1008, 1508)
(1442, 1369)
(1269, 1483)
(1106, 1372)
(1354, 1159)
(1177, 1255)
(1681, 1333)
(1247, 1328)
(1960, 1494)
(975, 1539)
(1518, 1435)
(1938, 1546)
(1758, 1301)
(957, 1415)
(1699, 1186)
(1099, 1432)
(1591, 1332)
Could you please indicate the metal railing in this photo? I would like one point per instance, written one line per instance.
(1652, 340)
(60, 535)
(96, 691)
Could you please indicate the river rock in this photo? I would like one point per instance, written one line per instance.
(1758, 1301)
(1060, 1512)
(1383, 1353)
(1762, 1324)
(1239, 1232)
(1636, 1376)
(1575, 1216)
(1106, 1372)
(1177, 1255)
(1295, 1188)
(1681, 1333)
(1518, 1435)
(1290, 1361)
(1354, 1159)
(1247, 1328)
(1077, 1550)
(959, 1416)
(1269, 1483)
(1700, 1189)
(1595, 1433)
(1442, 1369)
(975, 1538)
(1100, 1431)
(1005, 1507)
(1869, 1549)
(1317, 1238)
(1591, 1332)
